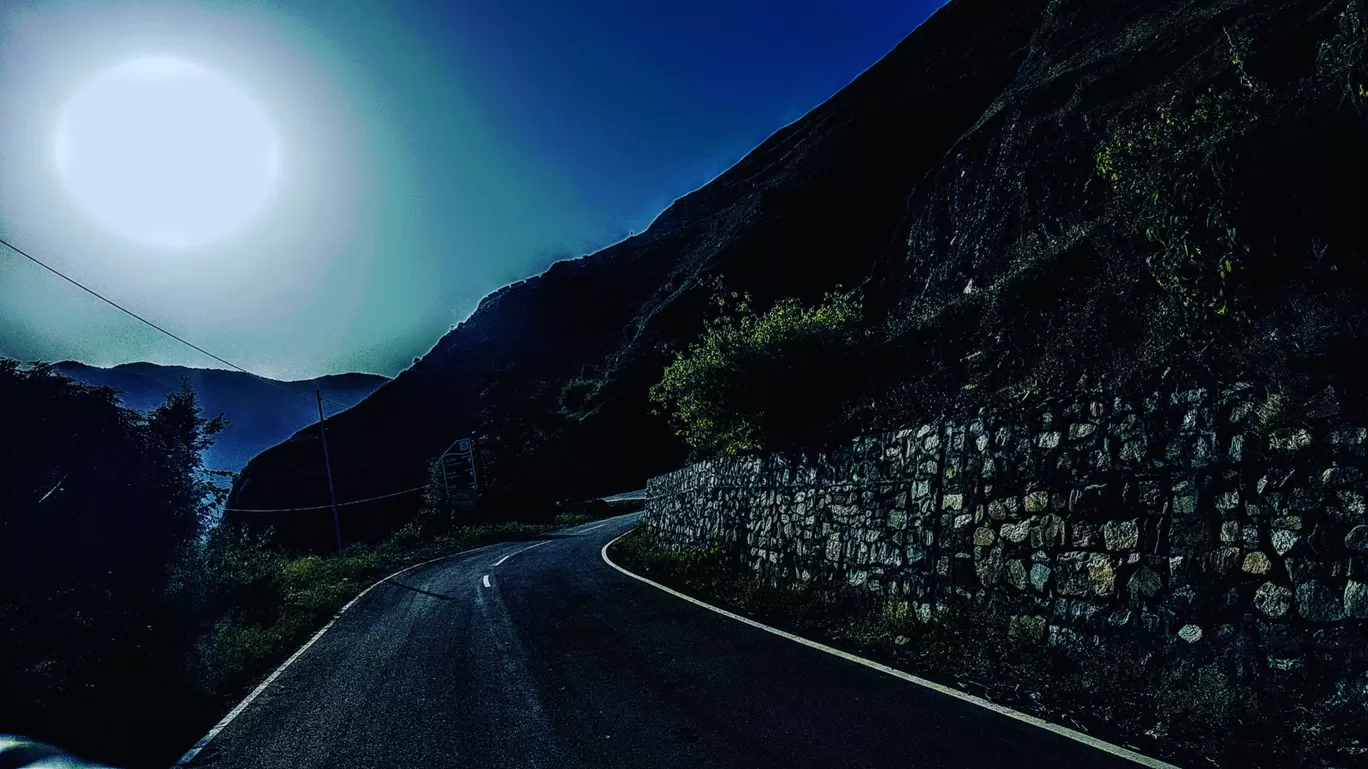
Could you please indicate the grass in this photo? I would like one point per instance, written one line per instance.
(266, 603)
(1193, 712)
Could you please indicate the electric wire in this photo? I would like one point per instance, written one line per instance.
(149, 323)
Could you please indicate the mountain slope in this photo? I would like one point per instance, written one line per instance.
(810, 208)
(259, 414)
(1033, 195)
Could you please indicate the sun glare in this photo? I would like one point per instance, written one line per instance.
(165, 152)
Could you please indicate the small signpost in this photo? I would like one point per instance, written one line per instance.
(458, 470)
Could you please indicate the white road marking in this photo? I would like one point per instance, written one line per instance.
(241, 706)
(515, 552)
(486, 580)
(1063, 731)
(591, 528)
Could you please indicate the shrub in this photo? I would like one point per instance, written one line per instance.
(764, 380)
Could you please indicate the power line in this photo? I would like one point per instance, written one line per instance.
(325, 507)
(141, 319)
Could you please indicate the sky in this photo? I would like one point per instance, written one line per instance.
(360, 174)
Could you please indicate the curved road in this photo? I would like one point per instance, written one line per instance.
(562, 661)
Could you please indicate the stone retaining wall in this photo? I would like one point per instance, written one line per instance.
(1181, 517)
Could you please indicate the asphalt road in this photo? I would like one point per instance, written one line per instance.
(564, 662)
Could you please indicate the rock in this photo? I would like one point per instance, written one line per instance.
(1144, 583)
(1225, 560)
(1048, 440)
(1121, 535)
(1190, 633)
(1356, 600)
(1273, 600)
(1040, 576)
(1230, 531)
(1185, 505)
(1047, 532)
(953, 502)
(984, 537)
(1003, 509)
(1081, 430)
(1083, 535)
(1256, 563)
(1037, 501)
(1289, 522)
(1027, 626)
(1016, 575)
(1348, 436)
(989, 567)
(1318, 603)
(1084, 573)
(1283, 541)
(1323, 404)
(1288, 439)
(1357, 538)
(1015, 532)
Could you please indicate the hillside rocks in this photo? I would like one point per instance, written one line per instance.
(1146, 526)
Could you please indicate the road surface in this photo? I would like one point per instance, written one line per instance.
(548, 657)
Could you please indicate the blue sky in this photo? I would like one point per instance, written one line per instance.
(433, 152)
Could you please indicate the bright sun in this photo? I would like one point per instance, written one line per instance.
(165, 152)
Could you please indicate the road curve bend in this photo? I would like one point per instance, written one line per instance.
(540, 654)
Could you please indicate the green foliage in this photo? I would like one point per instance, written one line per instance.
(1169, 172)
(104, 508)
(575, 395)
(769, 379)
(1341, 59)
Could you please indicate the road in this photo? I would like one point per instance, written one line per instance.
(548, 657)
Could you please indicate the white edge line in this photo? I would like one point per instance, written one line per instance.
(1063, 731)
(486, 580)
(241, 706)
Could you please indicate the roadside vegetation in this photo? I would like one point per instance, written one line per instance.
(764, 379)
(129, 620)
(1195, 713)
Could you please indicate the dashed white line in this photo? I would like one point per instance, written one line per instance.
(591, 528)
(1063, 731)
(515, 552)
(486, 580)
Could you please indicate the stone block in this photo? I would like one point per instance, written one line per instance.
(1040, 576)
(1016, 575)
(1086, 574)
(1015, 532)
(1121, 535)
(1273, 600)
(1357, 538)
(1256, 563)
(1317, 602)
(1037, 501)
(1144, 583)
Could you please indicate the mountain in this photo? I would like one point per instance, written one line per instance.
(260, 414)
(1033, 195)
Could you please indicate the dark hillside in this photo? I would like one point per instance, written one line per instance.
(1035, 196)
(1167, 194)
(810, 208)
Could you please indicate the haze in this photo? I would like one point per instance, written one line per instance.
(426, 156)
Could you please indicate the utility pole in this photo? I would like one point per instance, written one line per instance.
(332, 493)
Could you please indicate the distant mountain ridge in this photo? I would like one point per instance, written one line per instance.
(259, 414)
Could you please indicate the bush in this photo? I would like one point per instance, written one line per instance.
(770, 380)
